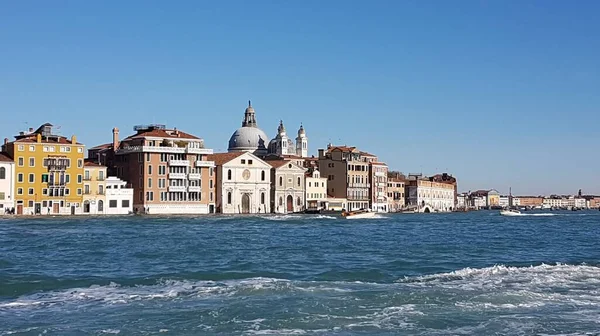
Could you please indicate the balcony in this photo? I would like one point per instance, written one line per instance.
(177, 176)
(177, 188)
(184, 163)
(194, 188)
(380, 174)
(205, 164)
(195, 176)
(100, 179)
(87, 178)
(164, 149)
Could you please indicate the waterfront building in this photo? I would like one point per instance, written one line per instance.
(337, 204)
(249, 137)
(119, 198)
(462, 201)
(7, 183)
(48, 172)
(168, 169)
(348, 175)
(243, 183)
(529, 201)
(485, 198)
(316, 190)
(94, 186)
(396, 190)
(379, 185)
(428, 196)
(287, 186)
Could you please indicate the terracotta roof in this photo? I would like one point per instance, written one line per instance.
(161, 133)
(103, 146)
(51, 140)
(367, 154)
(5, 158)
(341, 148)
(396, 179)
(222, 158)
(377, 163)
(91, 164)
(278, 163)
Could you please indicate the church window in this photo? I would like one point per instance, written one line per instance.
(2, 173)
(243, 161)
(280, 181)
(249, 162)
(229, 174)
(229, 197)
(262, 175)
(298, 201)
(299, 180)
(262, 198)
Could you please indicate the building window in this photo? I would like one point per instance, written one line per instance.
(229, 174)
(249, 162)
(78, 191)
(262, 175)
(149, 196)
(124, 203)
(280, 201)
(19, 191)
(79, 178)
(298, 201)
(262, 198)
(211, 196)
(2, 196)
(21, 162)
(299, 181)
(2, 173)
(21, 148)
(86, 189)
(280, 181)
(67, 191)
(30, 191)
(229, 197)
(149, 169)
(79, 163)
(31, 178)
(30, 204)
(67, 178)
(243, 161)
(20, 177)
(112, 203)
(101, 190)
(149, 182)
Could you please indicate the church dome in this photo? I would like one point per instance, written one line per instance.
(249, 138)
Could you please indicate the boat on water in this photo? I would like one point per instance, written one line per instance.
(358, 214)
(510, 212)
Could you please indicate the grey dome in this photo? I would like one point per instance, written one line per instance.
(248, 139)
(291, 147)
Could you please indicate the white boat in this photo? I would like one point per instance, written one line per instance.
(510, 213)
(359, 214)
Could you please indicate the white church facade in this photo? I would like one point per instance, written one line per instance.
(243, 183)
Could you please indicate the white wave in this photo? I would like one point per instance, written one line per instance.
(281, 217)
(324, 217)
(276, 332)
(111, 331)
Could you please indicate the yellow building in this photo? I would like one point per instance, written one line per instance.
(94, 188)
(48, 172)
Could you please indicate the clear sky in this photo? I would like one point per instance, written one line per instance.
(498, 93)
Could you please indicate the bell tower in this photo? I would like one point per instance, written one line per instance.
(302, 143)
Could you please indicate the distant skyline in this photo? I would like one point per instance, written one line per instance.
(498, 93)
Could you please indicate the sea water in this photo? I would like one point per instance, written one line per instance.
(414, 274)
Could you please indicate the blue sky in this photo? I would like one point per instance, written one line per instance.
(499, 93)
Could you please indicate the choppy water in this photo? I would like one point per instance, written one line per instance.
(438, 274)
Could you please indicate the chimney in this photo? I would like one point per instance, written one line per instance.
(321, 153)
(115, 141)
(6, 141)
(38, 138)
(73, 139)
(30, 129)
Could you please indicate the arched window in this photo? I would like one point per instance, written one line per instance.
(229, 197)
(280, 181)
(298, 201)
(280, 200)
(262, 198)
(262, 175)
(299, 180)
(2, 173)
(229, 174)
